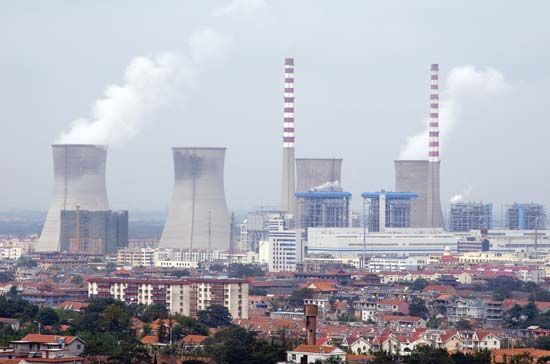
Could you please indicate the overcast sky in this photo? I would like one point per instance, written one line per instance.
(362, 84)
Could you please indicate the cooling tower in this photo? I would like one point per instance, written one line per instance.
(79, 179)
(318, 174)
(412, 176)
(198, 216)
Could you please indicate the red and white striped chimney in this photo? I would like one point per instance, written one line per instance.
(434, 114)
(288, 132)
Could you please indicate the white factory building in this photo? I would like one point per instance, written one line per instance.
(282, 249)
(392, 242)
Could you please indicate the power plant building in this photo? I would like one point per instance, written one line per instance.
(466, 216)
(422, 176)
(387, 210)
(525, 216)
(93, 232)
(323, 209)
(198, 217)
(79, 180)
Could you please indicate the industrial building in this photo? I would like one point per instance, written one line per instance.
(387, 209)
(79, 179)
(351, 242)
(466, 216)
(323, 209)
(93, 232)
(257, 225)
(198, 215)
(525, 216)
(179, 296)
(422, 176)
(283, 248)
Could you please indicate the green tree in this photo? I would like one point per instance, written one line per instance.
(418, 308)
(463, 325)
(215, 316)
(48, 316)
(297, 297)
(419, 284)
(191, 326)
(425, 354)
(433, 323)
(180, 273)
(130, 352)
(154, 312)
(26, 262)
(543, 342)
(239, 270)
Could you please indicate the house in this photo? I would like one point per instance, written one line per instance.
(396, 322)
(481, 339)
(33, 343)
(194, 340)
(44, 360)
(323, 287)
(305, 354)
(393, 306)
(151, 341)
(360, 346)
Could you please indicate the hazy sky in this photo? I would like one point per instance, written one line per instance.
(362, 84)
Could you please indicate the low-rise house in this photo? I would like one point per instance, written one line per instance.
(396, 322)
(193, 341)
(311, 353)
(33, 343)
(361, 346)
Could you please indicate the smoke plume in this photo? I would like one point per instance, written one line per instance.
(462, 84)
(461, 196)
(149, 83)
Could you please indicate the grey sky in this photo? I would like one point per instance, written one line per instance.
(362, 79)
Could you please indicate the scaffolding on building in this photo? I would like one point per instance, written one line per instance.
(525, 216)
(466, 216)
(324, 209)
(396, 212)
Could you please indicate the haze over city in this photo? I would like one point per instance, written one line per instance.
(210, 74)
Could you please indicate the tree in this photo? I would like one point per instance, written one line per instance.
(130, 352)
(215, 316)
(381, 357)
(47, 316)
(543, 342)
(191, 326)
(26, 262)
(418, 308)
(154, 312)
(433, 323)
(419, 284)
(297, 297)
(6, 277)
(425, 354)
(463, 325)
(239, 270)
(180, 273)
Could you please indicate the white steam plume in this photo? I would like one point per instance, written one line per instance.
(240, 7)
(462, 83)
(461, 196)
(150, 83)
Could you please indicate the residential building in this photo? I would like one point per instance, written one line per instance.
(184, 296)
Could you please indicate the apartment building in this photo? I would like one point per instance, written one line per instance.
(183, 296)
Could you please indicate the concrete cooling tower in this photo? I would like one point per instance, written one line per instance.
(319, 174)
(79, 179)
(198, 216)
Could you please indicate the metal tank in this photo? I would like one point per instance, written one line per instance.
(198, 216)
(79, 180)
(318, 174)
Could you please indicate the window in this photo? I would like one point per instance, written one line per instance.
(78, 346)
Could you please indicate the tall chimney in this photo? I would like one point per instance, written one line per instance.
(289, 180)
(434, 213)
(311, 312)
(433, 155)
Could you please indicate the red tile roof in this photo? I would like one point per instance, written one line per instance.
(48, 339)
